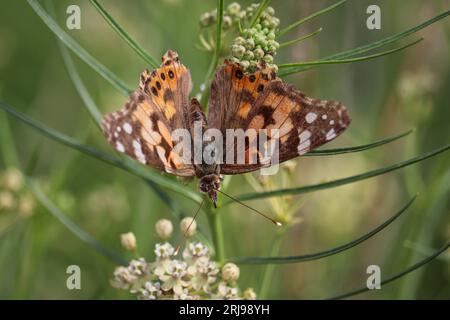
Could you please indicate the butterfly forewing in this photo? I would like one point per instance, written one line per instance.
(143, 127)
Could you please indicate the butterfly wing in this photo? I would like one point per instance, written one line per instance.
(263, 101)
(142, 128)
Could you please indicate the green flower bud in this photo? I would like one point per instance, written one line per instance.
(271, 35)
(265, 30)
(260, 39)
(268, 58)
(265, 23)
(258, 27)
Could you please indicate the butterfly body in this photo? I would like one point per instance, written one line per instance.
(159, 120)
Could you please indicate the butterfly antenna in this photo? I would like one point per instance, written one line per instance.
(253, 209)
(183, 241)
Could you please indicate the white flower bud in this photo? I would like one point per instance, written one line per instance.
(249, 43)
(249, 55)
(237, 50)
(26, 206)
(259, 53)
(230, 272)
(270, 11)
(234, 8)
(186, 223)
(164, 228)
(128, 241)
(13, 180)
(249, 294)
(245, 64)
(227, 22)
(239, 40)
(205, 19)
(6, 200)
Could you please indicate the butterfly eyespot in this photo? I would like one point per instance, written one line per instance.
(163, 76)
(260, 88)
(239, 74)
(265, 76)
(158, 85)
(252, 78)
(154, 91)
(171, 75)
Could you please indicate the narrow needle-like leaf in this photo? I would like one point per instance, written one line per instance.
(339, 61)
(326, 253)
(78, 50)
(342, 181)
(396, 276)
(312, 16)
(376, 44)
(291, 42)
(125, 36)
(72, 226)
(328, 152)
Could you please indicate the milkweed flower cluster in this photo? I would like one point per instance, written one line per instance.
(13, 196)
(256, 41)
(192, 276)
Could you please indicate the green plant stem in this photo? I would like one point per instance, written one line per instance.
(270, 268)
(216, 232)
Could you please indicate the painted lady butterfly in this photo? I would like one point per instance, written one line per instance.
(260, 100)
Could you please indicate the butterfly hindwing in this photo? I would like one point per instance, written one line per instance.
(262, 101)
(143, 127)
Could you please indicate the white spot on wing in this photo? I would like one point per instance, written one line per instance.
(120, 147)
(331, 122)
(324, 117)
(138, 152)
(310, 117)
(330, 135)
(305, 142)
(128, 128)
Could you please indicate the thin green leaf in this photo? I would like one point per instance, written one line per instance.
(262, 6)
(79, 86)
(73, 227)
(376, 44)
(78, 50)
(294, 66)
(216, 54)
(125, 164)
(125, 36)
(312, 16)
(326, 253)
(291, 42)
(396, 276)
(342, 181)
(329, 152)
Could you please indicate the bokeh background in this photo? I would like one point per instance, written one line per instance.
(385, 96)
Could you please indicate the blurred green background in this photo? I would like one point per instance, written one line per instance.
(385, 96)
